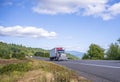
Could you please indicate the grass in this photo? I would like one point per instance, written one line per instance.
(36, 71)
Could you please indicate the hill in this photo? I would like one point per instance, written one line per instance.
(76, 53)
(8, 51)
(72, 57)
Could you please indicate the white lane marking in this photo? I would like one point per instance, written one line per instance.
(97, 65)
(101, 65)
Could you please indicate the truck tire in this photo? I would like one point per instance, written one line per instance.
(57, 58)
(51, 59)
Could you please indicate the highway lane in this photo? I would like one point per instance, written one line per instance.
(94, 70)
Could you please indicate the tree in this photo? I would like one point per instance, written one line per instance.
(85, 56)
(46, 54)
(118, 40)
(42, 54)
(20, 55)
(4, 54)
(94, 52)
(39, 54)
(113, 52)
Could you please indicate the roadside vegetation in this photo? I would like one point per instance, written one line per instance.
(72, 57)
(95, 52)
(16, 67)
(8, 51)
(29, 70)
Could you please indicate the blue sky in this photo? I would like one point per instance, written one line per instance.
(73, 24)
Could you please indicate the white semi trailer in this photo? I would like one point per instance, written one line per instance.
(58, 54)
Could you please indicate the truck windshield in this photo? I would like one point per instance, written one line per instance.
(60, 51)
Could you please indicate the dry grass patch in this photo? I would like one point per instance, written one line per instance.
(37, 71)
(10, 61)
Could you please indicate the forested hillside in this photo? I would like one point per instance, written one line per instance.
(8, 51)
(72, 57)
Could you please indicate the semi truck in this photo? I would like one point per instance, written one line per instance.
(58, 53)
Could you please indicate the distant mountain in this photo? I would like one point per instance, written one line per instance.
(76, 53)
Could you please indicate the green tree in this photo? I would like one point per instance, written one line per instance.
(94, 52)
(39, 54)
(21, 55)
(85, 56)
(4, 54)
(42, 54)
(46, 54)
(118, 40)
(113, 52)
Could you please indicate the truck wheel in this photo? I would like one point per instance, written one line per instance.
(51, 59)
(57, 58)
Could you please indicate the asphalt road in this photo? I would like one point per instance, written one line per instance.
(94, 70)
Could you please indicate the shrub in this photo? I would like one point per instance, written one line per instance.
(20, 55)
(22, 67)
(42, 54)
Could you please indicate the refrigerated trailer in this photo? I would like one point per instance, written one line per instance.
(58, 54)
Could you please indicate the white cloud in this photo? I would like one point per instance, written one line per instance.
(97, 8)
(27, 31)
(115, 9)
(111, 11)
(68, 6)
